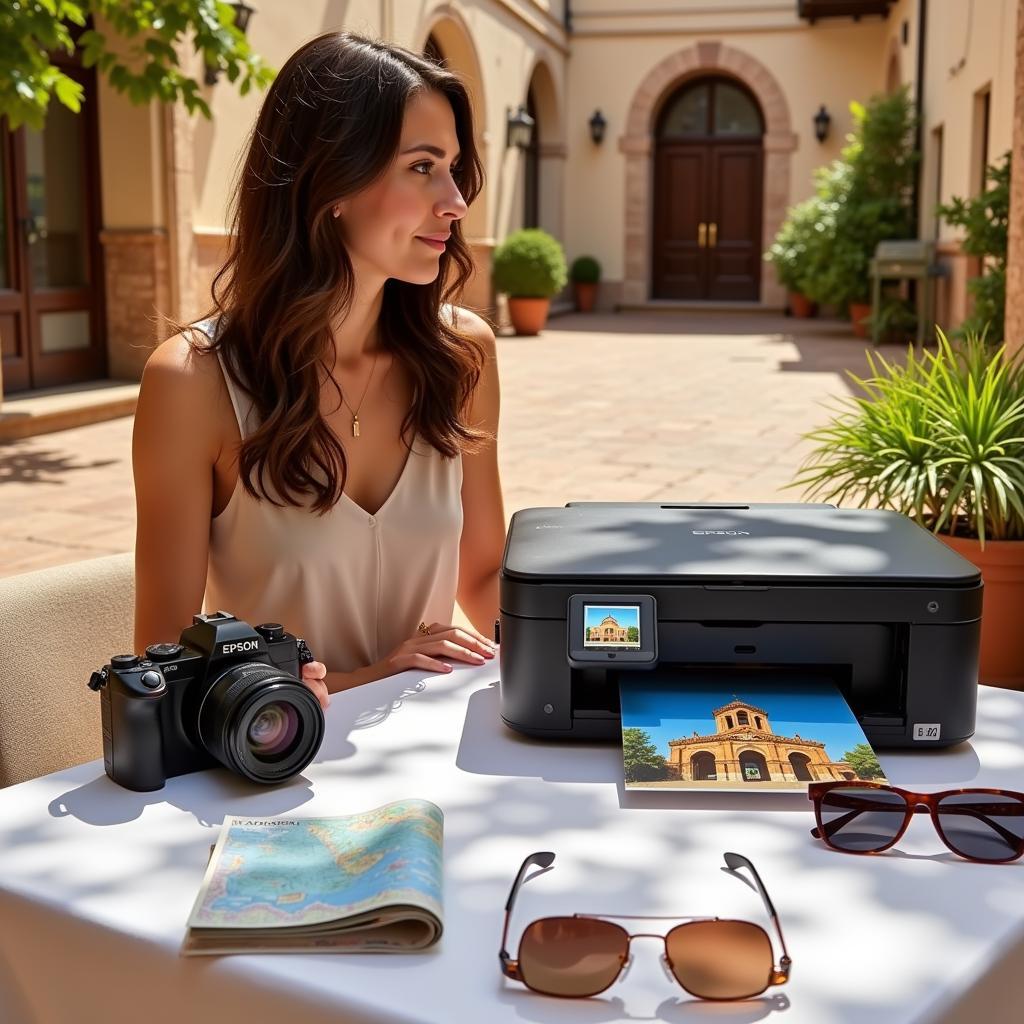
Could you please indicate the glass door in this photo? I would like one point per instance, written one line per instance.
(51, 284)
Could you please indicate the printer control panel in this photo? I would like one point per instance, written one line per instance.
(611, 630)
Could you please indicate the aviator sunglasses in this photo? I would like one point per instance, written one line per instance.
(582, 955)
(981, 825)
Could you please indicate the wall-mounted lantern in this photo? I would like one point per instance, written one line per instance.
(243, 12)
(520, 128)
(822, 121)
(597, 126)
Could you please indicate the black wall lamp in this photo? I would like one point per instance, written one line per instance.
(243, 12)
(822, 121)
(597, 126)
(520, 128)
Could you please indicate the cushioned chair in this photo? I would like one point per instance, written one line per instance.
(58, 626)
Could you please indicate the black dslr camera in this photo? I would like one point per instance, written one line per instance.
(226, 694)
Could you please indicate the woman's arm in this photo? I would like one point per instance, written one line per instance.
(483, 529)
(176, 441)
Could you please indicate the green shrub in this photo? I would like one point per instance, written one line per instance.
(585, 270)
(940, 440)
(864, 197)
(529, 264)
(985, 220)
(788, 253)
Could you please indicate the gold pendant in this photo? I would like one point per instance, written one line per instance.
(355, 426)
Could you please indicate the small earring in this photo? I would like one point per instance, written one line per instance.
(337, 211)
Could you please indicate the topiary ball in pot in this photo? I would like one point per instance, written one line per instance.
(585, 273)
(529, 267)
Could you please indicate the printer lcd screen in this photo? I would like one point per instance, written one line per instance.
(611, 627)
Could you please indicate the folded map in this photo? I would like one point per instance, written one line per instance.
(363, 883)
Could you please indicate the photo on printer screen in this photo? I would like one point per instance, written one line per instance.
(708, 731)
(611, 626)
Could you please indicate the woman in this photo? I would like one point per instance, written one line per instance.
(321, 451)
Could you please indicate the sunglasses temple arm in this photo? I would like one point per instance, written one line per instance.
(541, 860)
(735, 861)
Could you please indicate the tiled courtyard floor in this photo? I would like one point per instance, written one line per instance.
(628, 407)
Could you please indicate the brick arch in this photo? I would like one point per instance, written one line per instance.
(637, 144)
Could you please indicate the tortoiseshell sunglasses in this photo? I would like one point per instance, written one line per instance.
(582, 955)
(982, 825)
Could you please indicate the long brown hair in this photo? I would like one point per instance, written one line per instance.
(330, 126)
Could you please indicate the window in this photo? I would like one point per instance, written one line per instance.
(757, 721)
(979, 139)
(743, 718)
(711, 107)
(728, 721)
(936, 198)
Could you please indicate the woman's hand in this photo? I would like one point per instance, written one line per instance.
(314, 674)
(442, 640)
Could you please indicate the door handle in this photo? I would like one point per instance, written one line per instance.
(702, 235)
(713, 229)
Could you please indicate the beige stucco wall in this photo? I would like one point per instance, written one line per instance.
(970, 47)
(831, 62)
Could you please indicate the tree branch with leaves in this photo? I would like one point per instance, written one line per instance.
(33, 32)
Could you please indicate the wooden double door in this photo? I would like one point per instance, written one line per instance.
(707, 220)
(51, 282)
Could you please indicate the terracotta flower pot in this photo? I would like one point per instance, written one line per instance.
(528, 316)
(801, 306)
(858, 311)
(585, 294)
(1002, 628)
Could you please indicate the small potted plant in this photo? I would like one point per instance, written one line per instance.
(529, 267)
(788, 254)
(585, 273)
(941, 440)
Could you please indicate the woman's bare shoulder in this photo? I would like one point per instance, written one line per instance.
(183, 391)
(471, 324)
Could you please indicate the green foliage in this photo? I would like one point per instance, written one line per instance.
(640, 757)
(863, 198)
(585, 270)
(146, 69)
(985, 220)
(788, 253)
(633, 634)
(940, 440)
(529, 264)
(896, 320)
(863, 761)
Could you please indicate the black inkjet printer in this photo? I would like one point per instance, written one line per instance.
(865, 598)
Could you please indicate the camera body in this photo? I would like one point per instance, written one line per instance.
(226, 694)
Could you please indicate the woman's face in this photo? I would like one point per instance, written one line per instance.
(397, 226)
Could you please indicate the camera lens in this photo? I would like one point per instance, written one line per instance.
(260, 722)
(273, 731)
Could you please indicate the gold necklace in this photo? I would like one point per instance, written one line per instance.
(355, 411)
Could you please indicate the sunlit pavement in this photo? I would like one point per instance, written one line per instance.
(612, 407)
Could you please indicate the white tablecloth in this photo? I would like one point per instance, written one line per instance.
(96, 882)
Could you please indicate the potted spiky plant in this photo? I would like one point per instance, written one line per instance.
(941, 440)
(529, 267)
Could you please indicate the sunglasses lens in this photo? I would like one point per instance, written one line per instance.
(720, 959)
(572, 956)
(985, 826)
(860, 819)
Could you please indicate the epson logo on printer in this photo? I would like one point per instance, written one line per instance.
(240, 645)
(720, 533)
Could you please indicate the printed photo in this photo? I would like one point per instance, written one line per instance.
(687, 731)
(615, 626)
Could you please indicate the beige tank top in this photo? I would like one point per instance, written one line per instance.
(352, 584)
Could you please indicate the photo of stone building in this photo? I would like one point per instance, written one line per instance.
(744, 748)
(608, 631)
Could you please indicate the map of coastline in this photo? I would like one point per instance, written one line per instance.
(296, 872)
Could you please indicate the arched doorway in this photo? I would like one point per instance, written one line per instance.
(799, 763)
(708, 188)
(753, 766)
(702, 766)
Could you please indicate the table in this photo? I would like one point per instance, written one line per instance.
(97, 882)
